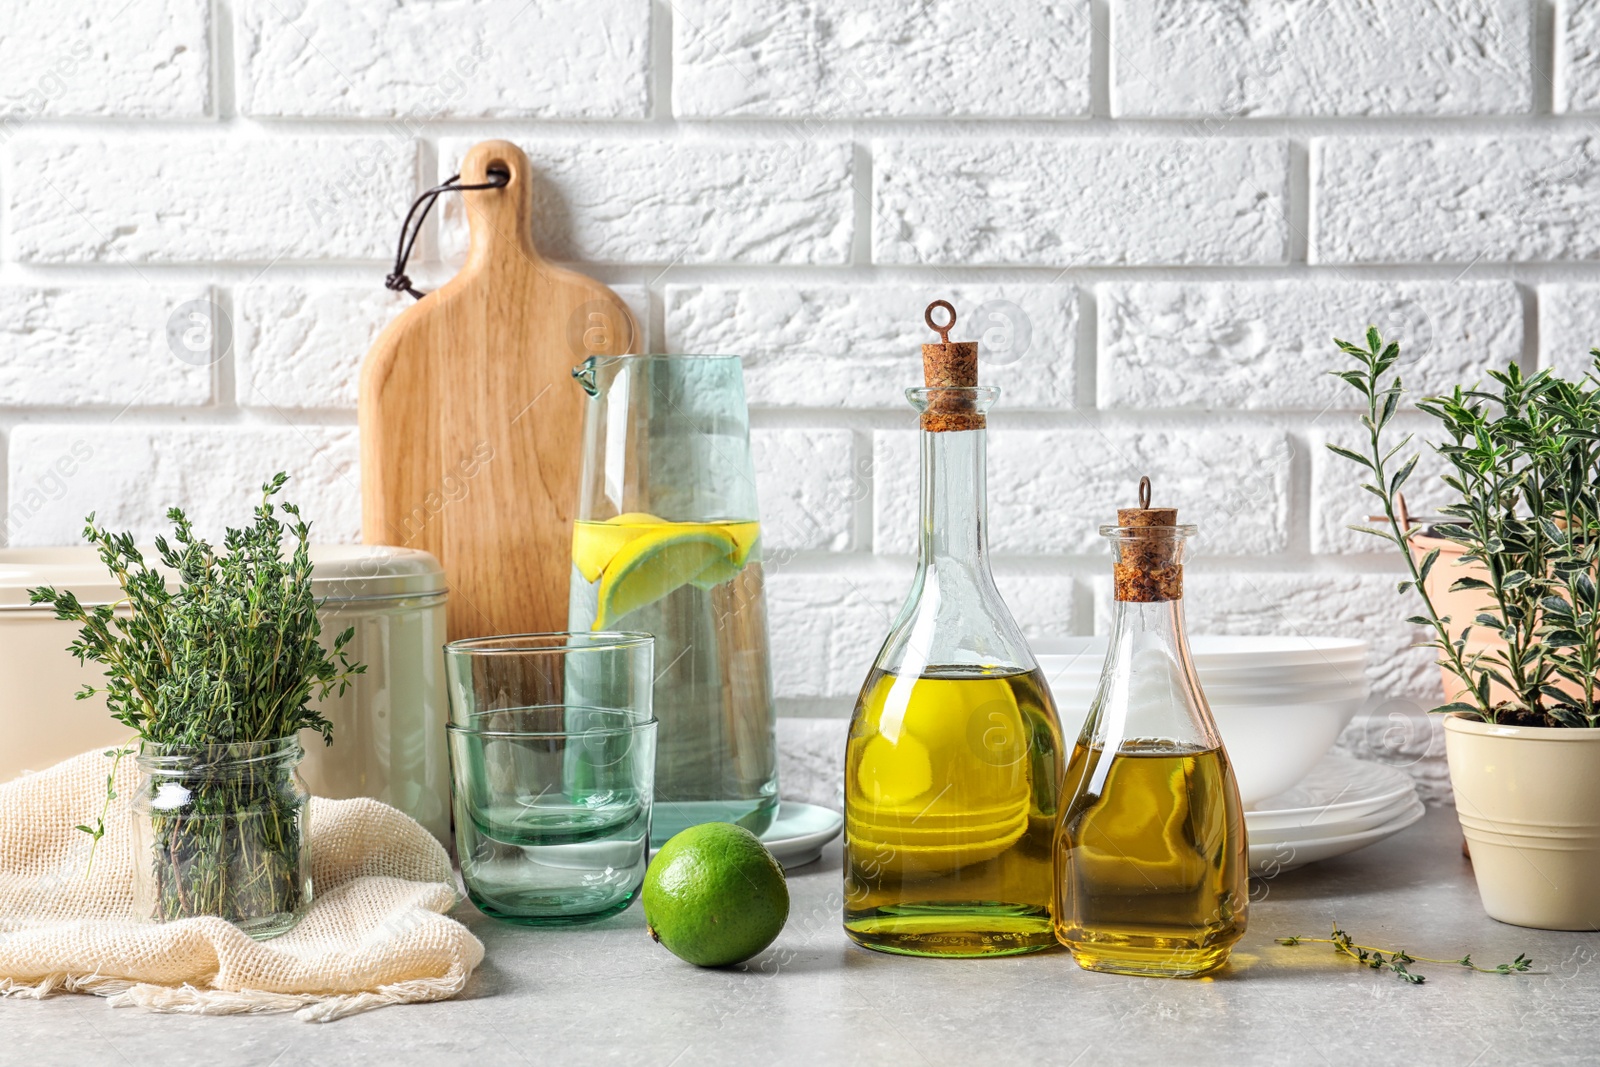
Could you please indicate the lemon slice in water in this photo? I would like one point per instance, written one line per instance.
(594, 544)
(657, 562)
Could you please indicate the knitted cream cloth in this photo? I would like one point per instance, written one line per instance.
(376, 933)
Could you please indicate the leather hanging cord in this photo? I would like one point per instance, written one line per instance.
(397, 281)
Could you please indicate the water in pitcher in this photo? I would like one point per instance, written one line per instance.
(697, 587)
(668, 542)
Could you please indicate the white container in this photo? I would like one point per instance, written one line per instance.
(41, 723)
(388, 727)
(1528, 799)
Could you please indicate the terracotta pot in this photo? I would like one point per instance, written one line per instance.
(1462, 607)
(1529, 803)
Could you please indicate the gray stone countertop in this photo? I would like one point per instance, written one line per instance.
(607, 994)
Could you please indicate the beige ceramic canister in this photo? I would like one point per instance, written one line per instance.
(388, 727)
(41, 722)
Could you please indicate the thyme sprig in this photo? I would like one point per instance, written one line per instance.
(1398, 960)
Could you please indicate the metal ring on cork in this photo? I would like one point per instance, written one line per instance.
(1144, 492)
(950, 372)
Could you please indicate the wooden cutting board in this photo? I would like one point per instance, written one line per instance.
(471, 421)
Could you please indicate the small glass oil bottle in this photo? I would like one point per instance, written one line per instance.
(953, 767)
(1151, 859)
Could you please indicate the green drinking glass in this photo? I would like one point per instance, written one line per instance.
(552, 764)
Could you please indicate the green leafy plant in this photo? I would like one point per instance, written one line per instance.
(1524, 463)
(229, 658)
(1398, 960)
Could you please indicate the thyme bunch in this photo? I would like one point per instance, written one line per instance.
(229, 658)
(1398, 960)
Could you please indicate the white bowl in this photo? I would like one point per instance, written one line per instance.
(1274, 733)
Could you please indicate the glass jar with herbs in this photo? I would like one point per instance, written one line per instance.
(213, 660)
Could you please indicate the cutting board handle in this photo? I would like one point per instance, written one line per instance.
(500, 220)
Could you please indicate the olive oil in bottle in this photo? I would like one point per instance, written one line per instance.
(953, 768)
(951, 781)
(1156, 874)
(1151, 863)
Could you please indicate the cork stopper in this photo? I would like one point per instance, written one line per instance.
(1147, 570)
(949, 364)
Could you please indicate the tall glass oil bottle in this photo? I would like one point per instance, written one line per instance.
(954, 763)
(1151, 858)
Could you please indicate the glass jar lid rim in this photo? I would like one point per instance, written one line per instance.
(1181, 530)
(625, 728)
(565, 641)
(218, 751)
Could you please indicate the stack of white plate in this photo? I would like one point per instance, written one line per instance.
(1280, 702)
(1342, 805)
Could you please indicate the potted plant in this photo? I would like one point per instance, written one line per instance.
(1523, 728)
(215, 673)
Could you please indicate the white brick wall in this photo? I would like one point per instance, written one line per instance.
(1456, 199)
(1577, 73)
(204, 198)
(417, 62)
(1156, 215)
(722, 201)
(140, 59)
(1567, 315)
(1066, 202)
(1260, 345)
(102, 346)
(839, 346)
(1333, 57)
(1234, 482)
(855, 59)
(135, 473)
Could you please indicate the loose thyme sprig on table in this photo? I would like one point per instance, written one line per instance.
(1396, 959)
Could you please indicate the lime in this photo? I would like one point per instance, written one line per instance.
(744, 536)
(714, 896)
(656, 563)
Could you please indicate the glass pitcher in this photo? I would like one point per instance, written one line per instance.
(667, 541)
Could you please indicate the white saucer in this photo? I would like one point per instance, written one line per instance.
(1271, 858)
(1332, 826)
(1337, 790)
(799, 831)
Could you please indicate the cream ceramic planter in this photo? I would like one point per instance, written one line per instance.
(1529, 803)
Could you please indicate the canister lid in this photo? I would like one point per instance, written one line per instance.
(358, 572)
(339, 572)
